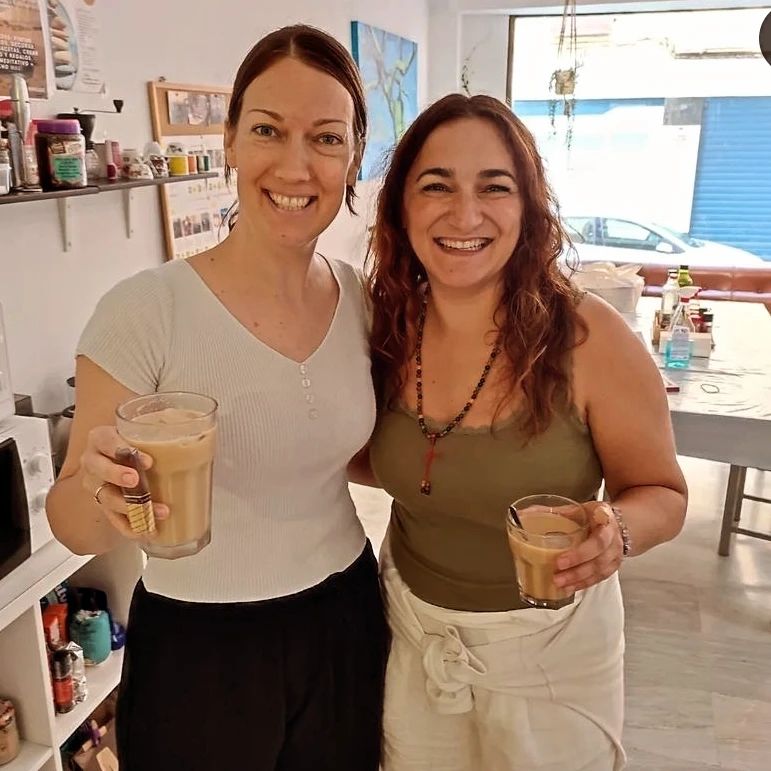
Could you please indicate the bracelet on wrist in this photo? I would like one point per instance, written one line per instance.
(626, 538)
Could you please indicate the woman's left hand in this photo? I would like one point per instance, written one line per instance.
(598, 557)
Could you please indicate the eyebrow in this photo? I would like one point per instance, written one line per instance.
(439, 171)
(278, 117)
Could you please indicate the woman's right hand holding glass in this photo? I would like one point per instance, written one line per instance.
(103, 477)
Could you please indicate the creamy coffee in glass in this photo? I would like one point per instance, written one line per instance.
(178, 430)
(547, 526)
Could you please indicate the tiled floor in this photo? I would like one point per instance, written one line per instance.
(698, 661)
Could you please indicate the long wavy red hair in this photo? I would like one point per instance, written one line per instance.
(536, 317)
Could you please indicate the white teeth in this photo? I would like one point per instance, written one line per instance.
(477, 243)
(289, 203)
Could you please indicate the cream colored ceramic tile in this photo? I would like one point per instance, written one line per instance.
(682, 660)
(656, 658)
(678, 723)
(742, 732)
(738, 612)
(661, 605)
(668, 708)
(651, 761)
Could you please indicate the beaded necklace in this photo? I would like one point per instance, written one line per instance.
(434, 436)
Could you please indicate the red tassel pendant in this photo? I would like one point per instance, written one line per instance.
(425, 483)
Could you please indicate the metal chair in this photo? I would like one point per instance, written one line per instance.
(732, 511)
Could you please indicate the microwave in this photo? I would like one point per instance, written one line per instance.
(26, 475)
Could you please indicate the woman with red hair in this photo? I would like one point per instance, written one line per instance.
(496, 379)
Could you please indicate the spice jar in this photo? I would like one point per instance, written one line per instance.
(61, 154)
(91, 630)
(9, 732)
(61, 671)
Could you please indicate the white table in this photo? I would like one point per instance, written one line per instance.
(723, 409)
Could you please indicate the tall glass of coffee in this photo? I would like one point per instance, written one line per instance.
(540, 528)
(178, 431)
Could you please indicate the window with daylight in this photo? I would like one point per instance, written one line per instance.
(658, 145)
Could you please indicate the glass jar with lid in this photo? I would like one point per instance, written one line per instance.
(9, 732)
(61, 154)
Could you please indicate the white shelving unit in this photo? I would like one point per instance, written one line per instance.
(31, 758)
(24, 673)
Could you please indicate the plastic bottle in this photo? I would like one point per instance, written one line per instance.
(670, 294)
(678, 349)
(684, 277)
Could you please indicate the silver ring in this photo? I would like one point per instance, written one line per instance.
(99, 490)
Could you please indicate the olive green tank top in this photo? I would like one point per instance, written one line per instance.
(451, 547)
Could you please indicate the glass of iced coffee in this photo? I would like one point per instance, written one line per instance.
(540, 528)
(178, 431)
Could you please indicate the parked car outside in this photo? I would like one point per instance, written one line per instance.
(628, 240)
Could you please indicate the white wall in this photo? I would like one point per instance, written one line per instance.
(484, 45)
(477, 31)
(48, 294)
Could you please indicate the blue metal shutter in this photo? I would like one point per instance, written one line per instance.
(540, 107)
(732, 195)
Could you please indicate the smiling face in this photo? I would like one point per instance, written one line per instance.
(295, 150)
(462, 206)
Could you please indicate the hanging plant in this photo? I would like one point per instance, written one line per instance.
(465, 72)
(465, 82)
(562, 84)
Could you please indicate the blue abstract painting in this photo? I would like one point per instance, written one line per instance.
(389, 69)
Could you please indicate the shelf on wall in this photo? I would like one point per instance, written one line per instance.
(35, 577)
(101, 680)
(100, 186)
(127, 186)
(42, 195)
(106, 185)
(32, 757)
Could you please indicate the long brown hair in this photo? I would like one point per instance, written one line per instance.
(537, 315)
(317, 49)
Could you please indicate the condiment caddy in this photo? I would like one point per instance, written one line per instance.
(674, 292)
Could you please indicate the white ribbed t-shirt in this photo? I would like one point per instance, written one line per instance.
(282, 516)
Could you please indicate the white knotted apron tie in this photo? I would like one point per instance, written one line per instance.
(451, 669)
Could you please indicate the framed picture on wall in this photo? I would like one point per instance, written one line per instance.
(184, 110)
(194, 212)
(389, 69)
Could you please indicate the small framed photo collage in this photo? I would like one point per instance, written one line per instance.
(192, 118)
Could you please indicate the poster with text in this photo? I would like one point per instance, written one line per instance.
(75, 51)
(198, 209)
(22, 46)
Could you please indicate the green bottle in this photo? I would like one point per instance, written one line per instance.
(684, 277)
